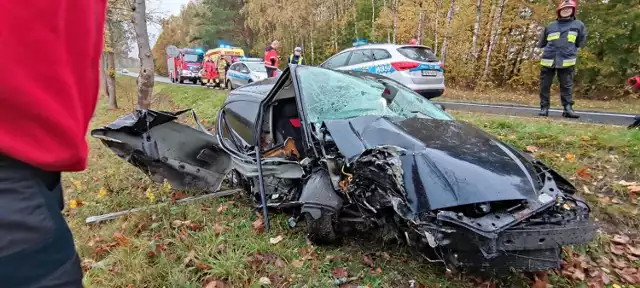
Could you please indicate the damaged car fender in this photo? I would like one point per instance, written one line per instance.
(318, 195)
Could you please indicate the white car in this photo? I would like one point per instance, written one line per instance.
(246, 71)
(415, 66)
(125, 71)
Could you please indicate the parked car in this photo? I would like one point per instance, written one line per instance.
(359, 153)
(246, 71)
(415, 66)
(124, 71)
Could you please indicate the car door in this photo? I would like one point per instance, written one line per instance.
(361, 60)
(244, 74)
(337, 61)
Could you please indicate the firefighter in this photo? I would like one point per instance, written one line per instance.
(209, 71)
(296, 57)
(271, 58)
(222, 76)
(560, 41)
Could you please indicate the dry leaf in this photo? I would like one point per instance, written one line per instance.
(265, 281)
(620, 239)
(634, 189)
(583, 173)
(222, 208)
(258, 225)
(297, 263)
(570, 157)
(190, 257)
(619, 264)
(218, 229)
(616, 249)
(586, 190)
(634, 250)
(276, 240)
(367, 261)
(122, 240)
(202, 266)
(531, 149)
(578, 275)
(625, 183)
(585, 138)
(217, 284)
(339, 272)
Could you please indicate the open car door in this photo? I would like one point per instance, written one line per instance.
(154, 142)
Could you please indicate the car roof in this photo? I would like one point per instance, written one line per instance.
(383, 46)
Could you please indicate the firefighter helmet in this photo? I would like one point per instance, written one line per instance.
(567, 3)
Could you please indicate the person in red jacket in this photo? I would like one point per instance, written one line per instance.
(271, 58)
(43, 125)
(634, 82)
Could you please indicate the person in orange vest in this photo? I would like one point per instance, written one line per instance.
(271, 58)
(208, 69)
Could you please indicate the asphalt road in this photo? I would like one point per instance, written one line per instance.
(527, 111)
(513, 110)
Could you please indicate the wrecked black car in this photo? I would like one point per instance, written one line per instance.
(357, 152)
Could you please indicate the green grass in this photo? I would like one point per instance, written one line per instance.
(151, 252)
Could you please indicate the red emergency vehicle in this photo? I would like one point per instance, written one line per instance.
(186, 66)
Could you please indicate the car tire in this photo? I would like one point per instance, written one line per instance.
(229, 85)
(181, 80)
(321, 231)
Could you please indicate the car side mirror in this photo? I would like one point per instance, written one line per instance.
(440, 106)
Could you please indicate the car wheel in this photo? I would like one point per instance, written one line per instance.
(229, 85)
(181, 80)
(321, 230)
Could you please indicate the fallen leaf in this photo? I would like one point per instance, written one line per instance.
(634, 189)
(276, 240)
(217, 284)
(625, 183)
(297, 263)
(378, 271)
(629, 275)
(191, 256)
(95, 240)
(279, 263)
(218, 229)
(367, 261)
(258, 225)
(620, 239)
(87, 264)
(339, 272)
(222, 208)
(586, 190)
(586, 138)
(570, 157)
(578, 275)
(202, 266)
(264, 281)
(615, 249)
(531, 149)
(634, 250)
(539, 284)
(122, 240)
(583, 173)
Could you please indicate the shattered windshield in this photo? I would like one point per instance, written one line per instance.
(328, 94)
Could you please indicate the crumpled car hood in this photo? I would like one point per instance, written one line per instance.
(446, 163)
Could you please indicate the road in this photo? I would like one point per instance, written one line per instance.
(514, 110)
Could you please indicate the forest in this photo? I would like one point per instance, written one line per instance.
(484, 44)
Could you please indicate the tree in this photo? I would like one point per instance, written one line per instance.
(147, 72)
(495, 31)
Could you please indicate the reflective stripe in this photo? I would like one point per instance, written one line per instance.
(299, 59)
(572, 36)
(546, 62)
(569, 62)
(553, 36)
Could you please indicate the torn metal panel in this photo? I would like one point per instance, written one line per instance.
(187, 158)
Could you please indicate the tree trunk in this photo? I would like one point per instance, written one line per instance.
(103, 74)
(395, 4)
(420, 22)
(476, 30)
(110, 72)
(373, 18)
(443, 54)
(495, 31)
(437, 17)
(384, 4)
(146, 75)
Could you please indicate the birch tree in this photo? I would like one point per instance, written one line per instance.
(443, 54)
(495, 31)
(146, 75)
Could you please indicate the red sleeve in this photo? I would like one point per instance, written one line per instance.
(50, 79)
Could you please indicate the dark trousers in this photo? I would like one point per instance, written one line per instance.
(565, 76)
(271, 72)
(36, 245)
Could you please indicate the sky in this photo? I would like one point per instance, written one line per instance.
(166, 8)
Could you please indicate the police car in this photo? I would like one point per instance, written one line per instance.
(415, 66)
(246, 71)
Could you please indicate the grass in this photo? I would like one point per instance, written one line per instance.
(629, 105)
(189, 245)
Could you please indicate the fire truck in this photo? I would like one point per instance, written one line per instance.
(186, 66)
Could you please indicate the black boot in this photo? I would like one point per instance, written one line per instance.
(544, 111)
(569, 113)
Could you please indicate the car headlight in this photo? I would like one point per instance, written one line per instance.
(186, 72)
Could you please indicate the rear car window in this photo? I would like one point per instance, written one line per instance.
(421, 54)
(380, 54)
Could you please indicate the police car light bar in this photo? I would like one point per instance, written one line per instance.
(245, 59)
